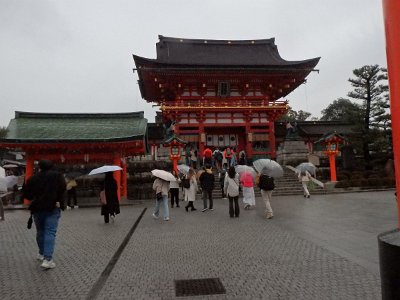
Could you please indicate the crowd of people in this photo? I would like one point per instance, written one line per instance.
(232, 183)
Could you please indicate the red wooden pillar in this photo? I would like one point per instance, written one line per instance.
(391, 14)
(248, 139)
(28, 172)
(124, 179)
(202, 139)
(271, 137)
(117, 175)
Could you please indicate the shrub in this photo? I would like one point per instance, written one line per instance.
(355, 182)
(342, 184)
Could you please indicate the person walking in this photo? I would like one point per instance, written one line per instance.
(266, 184)
(111, 207)
(161, 187)
(231, 188)
(207, 180)
(221, 175)
(190, 189)
(249, 198)
(304, 178)
(193, 158)
(46, 190)
(174, 190)
(71, 193)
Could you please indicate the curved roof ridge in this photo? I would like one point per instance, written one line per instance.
(270, 41)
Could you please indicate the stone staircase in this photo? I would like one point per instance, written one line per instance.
(286, 185)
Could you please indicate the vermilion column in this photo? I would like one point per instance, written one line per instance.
(201, 143)
(271, 136)
(117, 175)
(28, 172)
(249, 148)
(124, 180)
(391, 14)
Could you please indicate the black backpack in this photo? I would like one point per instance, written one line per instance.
(186, 183)
(266, 183)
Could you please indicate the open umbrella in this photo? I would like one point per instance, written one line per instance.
(11, 181)
(164, 175)
(183, 169)
(10, 166)
(307, 166)
(269, 167)
(105, 169)
(243, 169)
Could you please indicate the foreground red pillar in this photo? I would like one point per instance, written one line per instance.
(391, 14)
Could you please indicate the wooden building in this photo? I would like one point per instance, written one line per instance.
(220, 93)
(71, 138)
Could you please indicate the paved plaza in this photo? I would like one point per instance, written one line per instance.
(324, 247)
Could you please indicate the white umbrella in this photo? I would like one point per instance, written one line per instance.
(10, 166)
(164, 175)
(268, 167)
(2, 172)
(241, 169)
(11, 181)
(105, 169)
(184, 169)
(307, 166)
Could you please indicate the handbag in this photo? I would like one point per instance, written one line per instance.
(103, 199)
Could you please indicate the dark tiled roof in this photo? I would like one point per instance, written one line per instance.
(201, 52)
(317, 128)
(70, 127)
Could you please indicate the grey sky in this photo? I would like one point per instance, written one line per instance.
(76, 56)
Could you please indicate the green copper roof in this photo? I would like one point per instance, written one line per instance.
(71, 127)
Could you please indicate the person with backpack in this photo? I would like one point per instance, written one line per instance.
(228, 155)
(266, 184)
(189, 184)
(207, 185)
(218, 157)
(231, 188)
(46, 191)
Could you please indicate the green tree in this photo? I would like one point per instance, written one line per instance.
(343, 110)
(293, 115)
(369, 87)
(3, 132)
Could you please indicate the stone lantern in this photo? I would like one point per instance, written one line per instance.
(175, 145)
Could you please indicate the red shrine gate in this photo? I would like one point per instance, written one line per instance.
(220, 93)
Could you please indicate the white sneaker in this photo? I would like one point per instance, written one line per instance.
(76, 206)
(154, 216)
(112, 218)
(40, 257)
(48, 264)
(68, 207)
(166, 219)
(204, 209)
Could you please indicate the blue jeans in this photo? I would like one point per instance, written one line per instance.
(46, 223)
(165, 207)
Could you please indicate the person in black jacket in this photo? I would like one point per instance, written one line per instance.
(207, 185)
(111, 191)
(46, 190)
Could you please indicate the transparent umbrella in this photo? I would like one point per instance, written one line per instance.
(269, 167)
(105, 169)
(164, 175)
(307, 166)
(183, 169)
(243, 169)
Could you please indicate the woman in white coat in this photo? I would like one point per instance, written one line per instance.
(304, 178)
(190, 193)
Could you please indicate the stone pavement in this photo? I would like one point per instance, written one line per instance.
(324, 247)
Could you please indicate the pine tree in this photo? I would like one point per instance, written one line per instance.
(369, 87)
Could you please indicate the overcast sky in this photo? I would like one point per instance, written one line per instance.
(76, 55)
